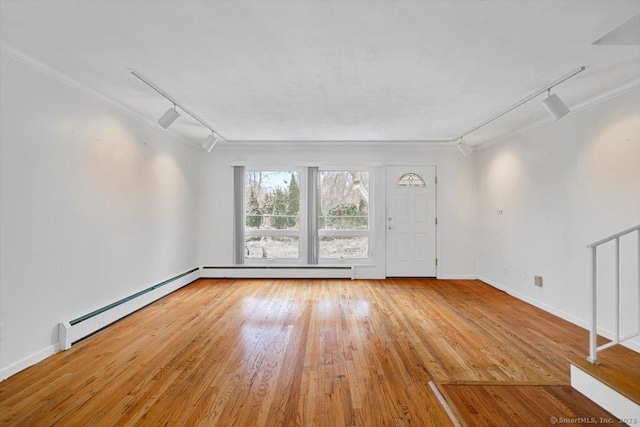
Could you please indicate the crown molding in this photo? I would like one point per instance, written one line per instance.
(342, 141)
(51, 72)
(440, 144)
(604, 96)
(599, 98)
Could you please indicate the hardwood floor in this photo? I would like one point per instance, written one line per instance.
(297, 352)
(487, 405)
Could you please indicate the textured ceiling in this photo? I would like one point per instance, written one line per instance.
(381, 71)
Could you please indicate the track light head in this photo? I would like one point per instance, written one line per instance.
(169, 117)
(219, 138)
(210, 142)
(555, 107)
(463, 147)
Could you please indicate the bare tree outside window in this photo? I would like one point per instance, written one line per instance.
(272, 203)
(343, 217)
(272, 214)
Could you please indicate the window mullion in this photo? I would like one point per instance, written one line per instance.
(238, 214)
(312, 215)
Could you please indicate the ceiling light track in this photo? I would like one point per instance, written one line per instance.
(171, 115)
(554, 99)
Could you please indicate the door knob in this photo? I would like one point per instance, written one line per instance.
(389, 218)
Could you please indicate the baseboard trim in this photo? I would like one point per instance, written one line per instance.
(28, 361)
(72, 331)
(457, 277)
(100, 321)
(280, 272)
(563, 315)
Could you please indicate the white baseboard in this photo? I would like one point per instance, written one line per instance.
(97, 322)
(566, 316)
(30, 360)
(457, 277)
(69, 333)
(563, 315)
(619, 405)
(280, 272)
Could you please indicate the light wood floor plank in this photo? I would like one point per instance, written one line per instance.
(309, 352)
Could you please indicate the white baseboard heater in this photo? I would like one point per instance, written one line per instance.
(72, 331)
(280, 272)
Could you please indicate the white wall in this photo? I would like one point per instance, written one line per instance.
(562, 187)
(94, 206)
(456, 196)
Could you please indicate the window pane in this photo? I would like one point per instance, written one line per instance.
(410, 180)
(272, 200)
(343, 200)
(344, 247)
(271, 247)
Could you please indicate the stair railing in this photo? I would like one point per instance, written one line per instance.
(593, 348)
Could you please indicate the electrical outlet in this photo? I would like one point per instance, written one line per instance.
(537, 280)
(500, 211)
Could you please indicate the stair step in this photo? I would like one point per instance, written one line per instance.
(619, 369)
(614, 384)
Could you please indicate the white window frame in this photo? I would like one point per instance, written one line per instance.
(300, 233)
(352, 233)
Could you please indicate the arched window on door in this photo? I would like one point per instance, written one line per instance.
(410, 180)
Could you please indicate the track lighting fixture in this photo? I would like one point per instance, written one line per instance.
(463, 147)
(209, 142)
(219, 138)
(554, 106)
(169, 117)
(172, 114)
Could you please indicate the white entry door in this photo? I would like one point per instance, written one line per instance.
(411, 221)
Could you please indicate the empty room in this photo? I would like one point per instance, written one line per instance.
(319, 213)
